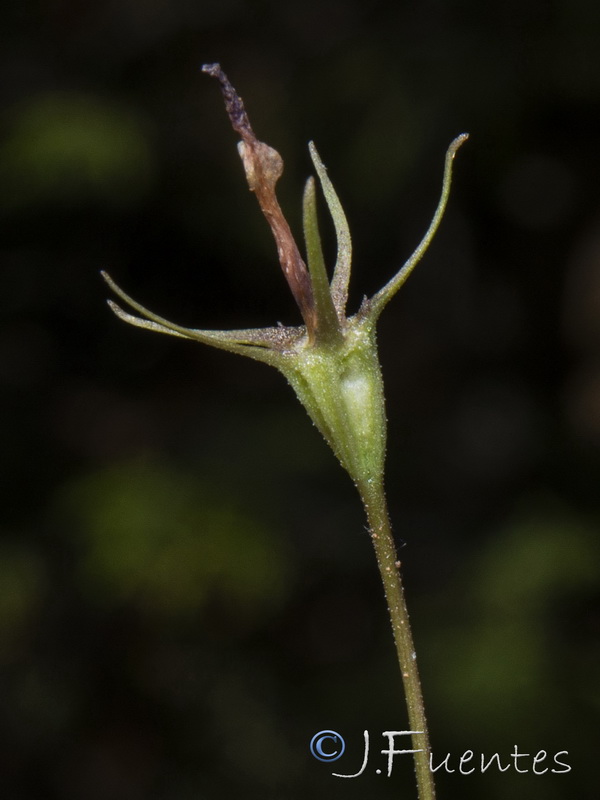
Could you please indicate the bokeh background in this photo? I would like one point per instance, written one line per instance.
(187, 590)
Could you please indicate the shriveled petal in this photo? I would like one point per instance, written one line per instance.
(263, 166)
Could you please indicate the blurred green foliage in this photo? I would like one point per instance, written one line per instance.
(23, 584)
(159, 539)
(66, 148)
(500, 654)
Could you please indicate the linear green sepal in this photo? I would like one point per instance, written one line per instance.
(262, 344)
(378, 302)
(341, 272)
(328, 326)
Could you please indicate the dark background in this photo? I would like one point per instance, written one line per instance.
(187, 590)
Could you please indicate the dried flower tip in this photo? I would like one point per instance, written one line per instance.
(261, 162)
(263, 167)
(234, 104)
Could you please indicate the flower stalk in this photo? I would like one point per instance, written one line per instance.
(330, 361)
(374, 501)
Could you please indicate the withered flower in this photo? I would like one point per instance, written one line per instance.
(331, 362)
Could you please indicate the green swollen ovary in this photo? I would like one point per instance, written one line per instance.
(343, 394)
(361, 392)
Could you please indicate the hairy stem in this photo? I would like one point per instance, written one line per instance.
(373, 497)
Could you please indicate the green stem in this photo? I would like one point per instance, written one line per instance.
(373, 497)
